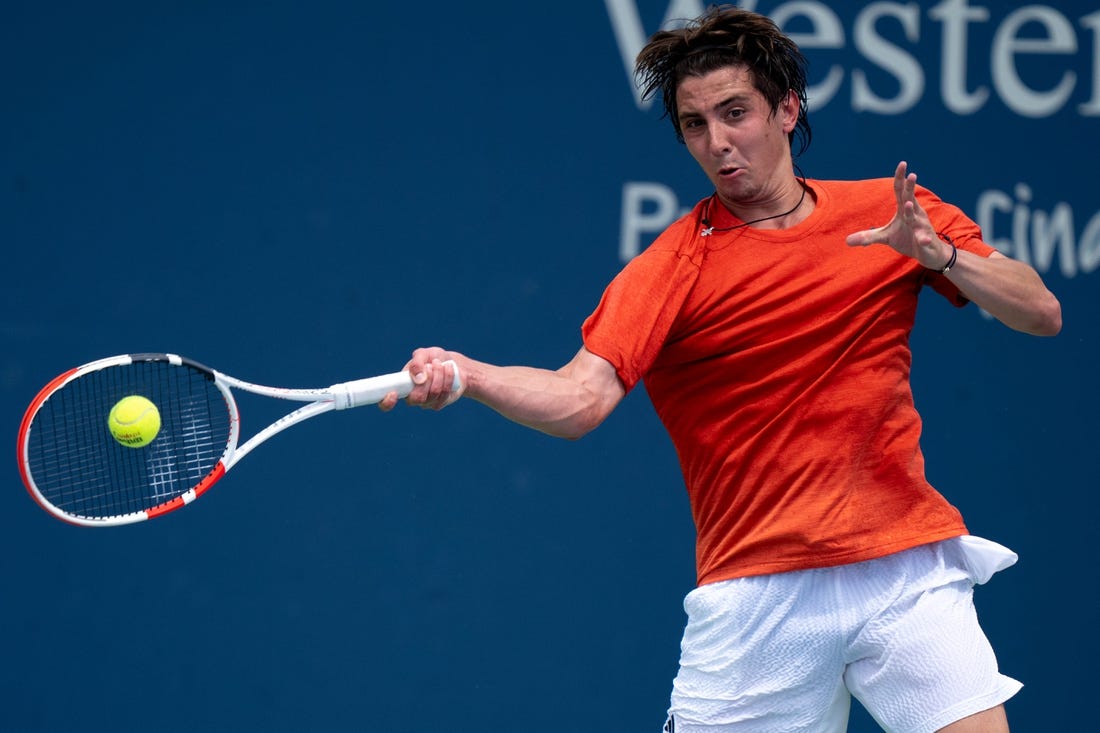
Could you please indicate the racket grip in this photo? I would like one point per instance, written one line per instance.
(373, 390)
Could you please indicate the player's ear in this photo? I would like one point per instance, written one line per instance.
(789, 110)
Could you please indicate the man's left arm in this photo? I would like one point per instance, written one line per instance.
(1009, 290)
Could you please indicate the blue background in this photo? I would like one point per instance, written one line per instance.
(299, 194)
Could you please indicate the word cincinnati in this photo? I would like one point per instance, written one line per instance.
(1048, 237)
(1034, 58)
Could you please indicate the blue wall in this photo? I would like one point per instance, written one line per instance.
(299, 194)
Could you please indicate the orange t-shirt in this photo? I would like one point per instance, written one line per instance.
(778, 361)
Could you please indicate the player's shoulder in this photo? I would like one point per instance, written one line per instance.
(847, 187)
(871, 192)
(681, 237)
(867, 186)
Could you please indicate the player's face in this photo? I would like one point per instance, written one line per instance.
(730, 130)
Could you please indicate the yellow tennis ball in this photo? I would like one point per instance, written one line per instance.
(134, 421)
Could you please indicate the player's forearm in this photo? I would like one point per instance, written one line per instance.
(1010, 291)
(553, 402)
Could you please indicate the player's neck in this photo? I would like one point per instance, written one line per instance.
(783, 211)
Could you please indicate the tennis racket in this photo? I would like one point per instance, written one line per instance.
(77, 471)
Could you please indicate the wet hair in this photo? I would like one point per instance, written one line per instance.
(726, 36)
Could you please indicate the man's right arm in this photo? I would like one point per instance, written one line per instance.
(566, 403)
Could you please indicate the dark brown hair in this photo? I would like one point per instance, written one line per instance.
(726, 36)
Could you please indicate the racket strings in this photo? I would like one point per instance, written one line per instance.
(79, 467)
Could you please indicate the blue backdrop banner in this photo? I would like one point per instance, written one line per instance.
(301, 193)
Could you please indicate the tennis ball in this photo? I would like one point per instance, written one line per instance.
(134, 421)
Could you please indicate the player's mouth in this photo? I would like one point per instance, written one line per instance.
(728, 171)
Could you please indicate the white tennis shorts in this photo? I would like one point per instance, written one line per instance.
(786, 652)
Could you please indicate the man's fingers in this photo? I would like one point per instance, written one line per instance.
(388, 402)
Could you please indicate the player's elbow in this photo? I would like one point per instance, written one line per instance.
(579, 426)
(1046, 317)
(583, 421)
(596, 394)
(572, 434)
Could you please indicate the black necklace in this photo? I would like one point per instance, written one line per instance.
(708, 230)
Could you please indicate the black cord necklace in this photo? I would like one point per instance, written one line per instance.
(708, 230)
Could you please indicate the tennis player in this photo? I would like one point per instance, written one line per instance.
(771, 326)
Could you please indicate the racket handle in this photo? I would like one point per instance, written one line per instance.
(372, 390)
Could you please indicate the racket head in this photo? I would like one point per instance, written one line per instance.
(74, 468)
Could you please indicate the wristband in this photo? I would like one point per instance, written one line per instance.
(954, 255)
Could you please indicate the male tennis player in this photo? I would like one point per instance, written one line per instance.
(773, 341)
